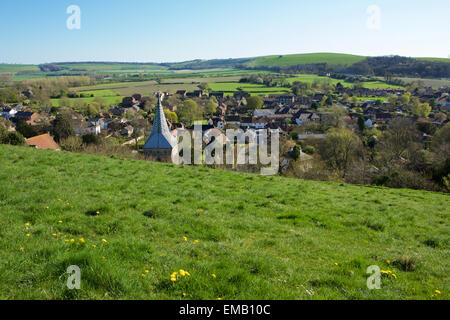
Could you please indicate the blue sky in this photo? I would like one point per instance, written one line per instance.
(176, 30)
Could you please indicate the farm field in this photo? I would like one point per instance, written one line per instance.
(310, 78)
(434, 83)
(130, 224)
(435, 59)
(108, 96)
(229, 85)
(254, 89)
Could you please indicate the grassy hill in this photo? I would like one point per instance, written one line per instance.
(130, 224)
(447, 60)
(332, 59)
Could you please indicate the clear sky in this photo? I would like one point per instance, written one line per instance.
(35, 31)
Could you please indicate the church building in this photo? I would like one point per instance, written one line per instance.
(161, 142)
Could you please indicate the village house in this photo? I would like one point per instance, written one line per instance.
(43, 141)
(8, 113)
(263, 112)
(181, 93)
(233, 120)
(29, 116)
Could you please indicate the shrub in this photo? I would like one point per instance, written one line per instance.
(90, 138)
(13, 138)
(309, 150)
(72, 144)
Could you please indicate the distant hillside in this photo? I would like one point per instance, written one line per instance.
(332, 59)
(311, 63)
(130, 224)
(446, 60)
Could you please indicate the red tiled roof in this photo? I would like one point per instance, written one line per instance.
(44, 141)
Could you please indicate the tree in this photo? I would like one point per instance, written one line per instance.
(210, 107)
(295, 154)
(399, 140)
(421, 109)
(90, 138)
(405, 99)
(441, 143)
(204, 86)
(13, 138)
(93, 109)
(189, 111)
(361, 123)
(171, 116)
(25, 129)
(255, 102)
(340, 148)
(62, 127)
(8, 96)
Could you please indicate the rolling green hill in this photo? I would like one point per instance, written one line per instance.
(129, 225)
(447, 60)
(332, 59)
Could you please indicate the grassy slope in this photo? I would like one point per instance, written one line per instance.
(309, 58)
(435, 59)
(263, 237)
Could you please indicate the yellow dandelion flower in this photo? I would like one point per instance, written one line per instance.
(185, 239)
(28, 235)
(72, 240)
(394, 275)
(187, 273)
(143, 275)
(184, 294)
(438, 292)
(60, 221)
(336, 263)
(67, 204)
(173, 279)
(146, 271)
(21, 249)
(94, 246)
(98, 212)
(219, 298)
(182, 273)
(82, 240)
(66, 240)
(54, 234)
(27, 224)
(104, 240)
(388, 261)
(195, 241)
(214, 276)
(47, 207)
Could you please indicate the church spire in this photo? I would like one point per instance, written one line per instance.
(160, 138)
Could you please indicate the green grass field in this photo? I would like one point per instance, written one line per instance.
(332, 59)
(254, 89)
(435, 59)
(130, 224)
(108, 96)
(310, 78)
